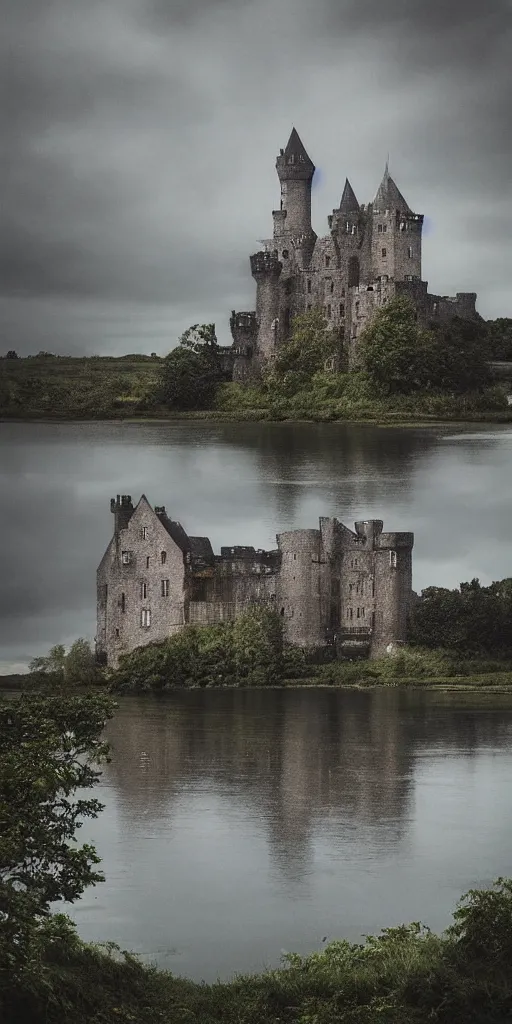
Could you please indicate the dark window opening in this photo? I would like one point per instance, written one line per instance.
(353, 272)
(327, 261)
(123, 603)
(309, 287)
(384, 252)
(163, 557)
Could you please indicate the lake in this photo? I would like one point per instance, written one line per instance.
(240, 824)
(238, 483)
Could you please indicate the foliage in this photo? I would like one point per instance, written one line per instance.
(310, 345)
(472, 619)
(76, 668)
(246, 652)
(405, 975)
(49, 749)
(193, 370)
(402, 357)
(500, 339)
(11, 354)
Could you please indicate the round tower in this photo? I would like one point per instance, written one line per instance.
(266, 271)
(299, 588)
(295, 170)
(393, 590)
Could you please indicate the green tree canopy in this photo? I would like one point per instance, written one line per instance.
(50, 748)
(401, 356)
(193, 370)
(76, 668)
(311, 344)
(500, 338)
(472, 619)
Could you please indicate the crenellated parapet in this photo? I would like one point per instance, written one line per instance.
(265, 263)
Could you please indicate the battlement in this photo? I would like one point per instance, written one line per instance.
(266, 262)
(123, 501)
(245, 322)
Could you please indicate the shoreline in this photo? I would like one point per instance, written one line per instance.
(492, 419)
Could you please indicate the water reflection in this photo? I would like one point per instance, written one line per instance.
(240, 823)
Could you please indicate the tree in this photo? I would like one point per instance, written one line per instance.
(11, 354)
(500, 338)
(395, 351)
(76, 668)
(193, 370)
(472, 619)
(50, 748)
(401, 356)
(460, 356)
(311, 344)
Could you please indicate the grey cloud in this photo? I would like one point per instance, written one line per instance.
(140, 141)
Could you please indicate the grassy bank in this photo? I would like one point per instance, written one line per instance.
(407, 975)
(103, 388)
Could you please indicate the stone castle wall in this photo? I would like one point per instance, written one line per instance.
(331, 586)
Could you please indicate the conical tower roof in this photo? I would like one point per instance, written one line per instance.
(389, 196)
(349, 203)
(295, 147)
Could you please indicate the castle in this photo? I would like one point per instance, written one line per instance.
(371, 254)
(331, 586)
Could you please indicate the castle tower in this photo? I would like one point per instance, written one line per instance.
(299, 589)
(266, 271)
(396, 234)
(295, 170)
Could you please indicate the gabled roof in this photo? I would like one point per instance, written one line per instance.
(349, 203)
(175, 531)
(389, 196)
(295, 147)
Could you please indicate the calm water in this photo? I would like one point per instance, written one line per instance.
(238, 483)
(241, 824)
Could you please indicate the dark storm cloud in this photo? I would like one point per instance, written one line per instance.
(140, 137)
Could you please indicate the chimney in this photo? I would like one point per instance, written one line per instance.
(122, 508)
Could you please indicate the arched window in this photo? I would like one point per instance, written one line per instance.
(353, 271)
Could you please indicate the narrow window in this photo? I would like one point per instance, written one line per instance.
(123, 603)
(384, 252)
(357, 307)
(163, 557)
(144, 533)
(342, 309)
(362, 613)
(147, 562)
(329, 311)
(105, 592)
(145, 618)
(327, 261)
(117, 633)
(332, 287)
(379, 228)
(126, 557)
(309, 287)
(358, 612)
(165, 588)
(309, 307)
(384, 227)
(392, 559)
(143, 591)
(409, 252)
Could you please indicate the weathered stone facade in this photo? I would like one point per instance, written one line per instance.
(332, 586)
(371, 253)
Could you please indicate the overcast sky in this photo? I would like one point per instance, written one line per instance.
(141, 135)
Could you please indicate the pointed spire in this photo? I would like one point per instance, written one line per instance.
(388, 195)
(349, 203)
(295, 147)
(294, 162)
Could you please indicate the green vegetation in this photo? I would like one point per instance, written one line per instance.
(407, 373)
(192, 371)
(471, 620)
(50, 750)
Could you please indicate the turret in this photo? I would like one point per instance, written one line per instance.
(295, 170)
(396, 234)
(244, 329)
(266, 270)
